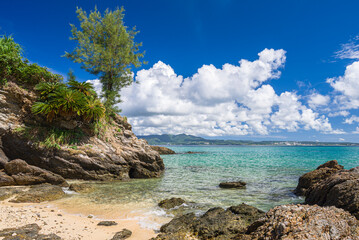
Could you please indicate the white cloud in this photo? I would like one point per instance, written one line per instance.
(352, 119)
(341, 139)
(232, 100)
(356, 130)
(316, 100)
(349, 50)
(347, 86)
(340, 113)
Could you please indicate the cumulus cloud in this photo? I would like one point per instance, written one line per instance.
(232, 100)
(339, 113)
(347, 86)
(352, 119)
(316, 100)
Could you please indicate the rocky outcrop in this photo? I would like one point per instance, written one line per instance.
(311, 178)
(30, 231)
(25, 174)
(304, 222)
(340, 189)
(216, 223)
(117, 154)
(171, 203)
(38, 193)
(3, 158)
(238, 184)
(163, 150)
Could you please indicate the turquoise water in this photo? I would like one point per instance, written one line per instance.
(271, 174)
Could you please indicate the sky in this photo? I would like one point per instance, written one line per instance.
(228, 69)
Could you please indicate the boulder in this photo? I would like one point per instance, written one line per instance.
(311, 178)
(304, 222)
(3, 158)
(216, 223)
(163, 150)
(81, 187)
(123, 234)
(39, 193)
(107, 223)
(30, 231)
(6, 180)
(238, 184)
(341, 189)
(171, 203)
(25, 174)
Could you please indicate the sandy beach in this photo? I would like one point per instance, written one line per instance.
(69, 225)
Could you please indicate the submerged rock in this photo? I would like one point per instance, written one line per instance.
(107, 223)
(304, 222)
(123, 234)
(171, 203)
(81, 187)
(30, 231)
(216, 223)
(239, 184)
(163, 150)
(39, 193)
(311, 178)
(25, 174)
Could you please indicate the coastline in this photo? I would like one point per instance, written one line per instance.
(71, 223)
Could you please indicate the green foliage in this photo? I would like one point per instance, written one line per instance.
(107, 49)
(13, 66)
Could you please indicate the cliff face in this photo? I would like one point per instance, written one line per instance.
(118, 154)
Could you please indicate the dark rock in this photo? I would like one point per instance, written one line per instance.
(341, 189)
(123, 234)
(216, 223)
(238, 184)
(81, 187)
(107, 223)
(39, 193)
(163, 150)
(27, 232)
(6, 180)
(25, 174)
(311, 178)
(304, 222)
(3, 158)
(171, 203)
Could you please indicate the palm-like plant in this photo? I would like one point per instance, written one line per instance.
(45, 108)
(69, 102)
(47, 88)
(94, 109)
(84, 87)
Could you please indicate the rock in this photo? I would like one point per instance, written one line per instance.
(27, 232)
(123, 234)
(6, 180)
(163, 150)
(238, 184)
(81, 187)
(25, 174)
(39, 193)
(311, 178)
(216, 223)
(340, 189)
(304, 222)
(3, 158)
(107, 223)
(171, 203)
(7, 192)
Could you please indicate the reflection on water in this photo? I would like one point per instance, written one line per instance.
(271, 174)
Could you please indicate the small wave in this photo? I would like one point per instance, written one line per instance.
(68, 191)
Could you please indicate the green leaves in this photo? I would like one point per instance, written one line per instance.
(106, 48)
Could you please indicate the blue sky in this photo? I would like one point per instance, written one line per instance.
(188, 35)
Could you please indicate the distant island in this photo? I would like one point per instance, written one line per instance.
(184, 139)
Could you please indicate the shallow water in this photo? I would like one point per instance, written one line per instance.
(271, 174)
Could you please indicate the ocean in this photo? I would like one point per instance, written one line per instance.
(271, 174)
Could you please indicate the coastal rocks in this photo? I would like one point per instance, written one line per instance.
(163, 150)
(123, 234)
(39, 193)
(107, 223)
(81, 187)
(216, 223)
(340, 189)
(3, 158)
(311, 178)
(171, 203)
(304, 222)
(238, 184)
(25, 174)
(6, 180)
(30, 231)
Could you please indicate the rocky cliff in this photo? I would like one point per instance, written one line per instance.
(117, 154)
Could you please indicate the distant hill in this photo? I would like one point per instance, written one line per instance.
(184, 139)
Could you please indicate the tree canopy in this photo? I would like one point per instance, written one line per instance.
(106, 48)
